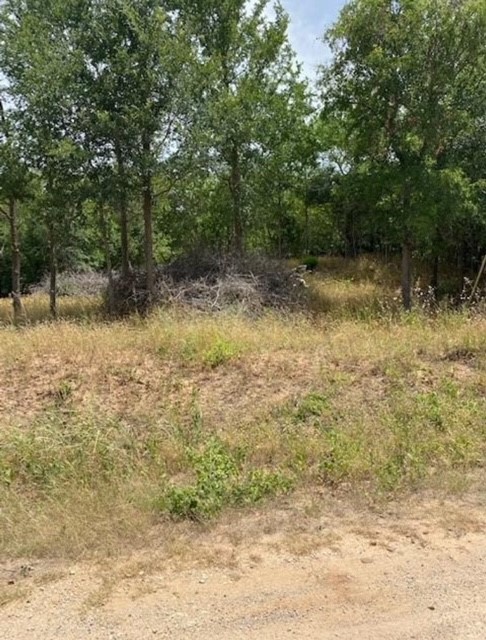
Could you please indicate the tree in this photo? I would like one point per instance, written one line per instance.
(136, 60)
(406, 82)
(283, 171)
(14, 181)
(40, 64)
(246, 63)
(105, 79)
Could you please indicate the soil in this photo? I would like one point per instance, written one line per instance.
(398, 572)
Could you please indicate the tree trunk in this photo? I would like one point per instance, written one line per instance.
(406, 249)
(307, 229)
(235, 189)
(349, 239)
(109, 267)
(435, 275)
(407, 275)
(461, 265)
(148, 223)
(52, 272)
(18, 309)
(123, 211)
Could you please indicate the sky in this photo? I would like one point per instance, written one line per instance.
(309, 20)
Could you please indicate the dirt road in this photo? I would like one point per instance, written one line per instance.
(411, 572)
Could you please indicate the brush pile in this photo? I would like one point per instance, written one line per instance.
(210, 283)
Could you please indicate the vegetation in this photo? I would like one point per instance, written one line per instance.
(109, 428)
(170, 151)
(136, 131)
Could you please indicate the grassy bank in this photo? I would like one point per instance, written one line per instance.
(108, 428)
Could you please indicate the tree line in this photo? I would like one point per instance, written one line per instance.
(132, 131)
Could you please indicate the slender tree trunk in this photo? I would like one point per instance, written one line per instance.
(123, 211)
(435, 275)
(235, 189)
(350, 244)
(307, 229)
(406, 251)
(148, 223)
(52, 271)
(18, 309)
(109, 267)
(407, 275)
(475, 288)
(461, 265)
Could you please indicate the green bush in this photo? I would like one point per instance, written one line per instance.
(311, 262)
(222, 351)
(220, 481)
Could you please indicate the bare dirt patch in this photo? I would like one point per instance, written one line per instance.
(305, 569)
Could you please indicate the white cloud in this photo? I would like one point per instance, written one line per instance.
(307, 42)
(309, 20)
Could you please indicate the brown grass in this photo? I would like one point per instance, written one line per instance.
(98, 421)
(36, 309)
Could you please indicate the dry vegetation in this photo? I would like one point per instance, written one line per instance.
(106, 428)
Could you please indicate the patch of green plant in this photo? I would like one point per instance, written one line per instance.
(428, 432)
(260, 484)
(430, 408)
(221, 481)
(219, 353)
(65, 447)
(311, 262)
(344, 458)
(313, 405)
(64, 391)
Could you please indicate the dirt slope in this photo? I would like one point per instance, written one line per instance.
(402, 574)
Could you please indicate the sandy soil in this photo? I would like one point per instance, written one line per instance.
(410, 571)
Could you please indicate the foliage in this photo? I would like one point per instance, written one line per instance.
(221, 481)
(137, 131)
(405, 86)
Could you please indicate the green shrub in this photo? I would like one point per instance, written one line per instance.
(222, 351)
(311, 262)
(311, 406)
(220, 481)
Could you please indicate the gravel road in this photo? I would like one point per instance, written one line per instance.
(420, 576)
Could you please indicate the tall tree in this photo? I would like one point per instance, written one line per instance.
(40, 66)
(13, 185)
(406, 81)
(246, 61)
(113, 72)
(136, 58)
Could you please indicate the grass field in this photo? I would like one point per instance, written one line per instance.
(108, 428)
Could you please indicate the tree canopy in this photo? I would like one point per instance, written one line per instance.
(132, 131)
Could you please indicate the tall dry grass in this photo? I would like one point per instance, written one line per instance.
(107, 428)
(36, 309)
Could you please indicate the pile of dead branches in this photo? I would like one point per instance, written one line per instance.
(210, 283)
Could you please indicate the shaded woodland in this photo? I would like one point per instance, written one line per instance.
(134, 133)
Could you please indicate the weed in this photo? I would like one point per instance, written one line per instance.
(312, 406)
(343, 457)
(219, 353)
(311, 262)
(64, 391)
(220, 481)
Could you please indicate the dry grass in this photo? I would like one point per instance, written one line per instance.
(36, 309)
(107, 428)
